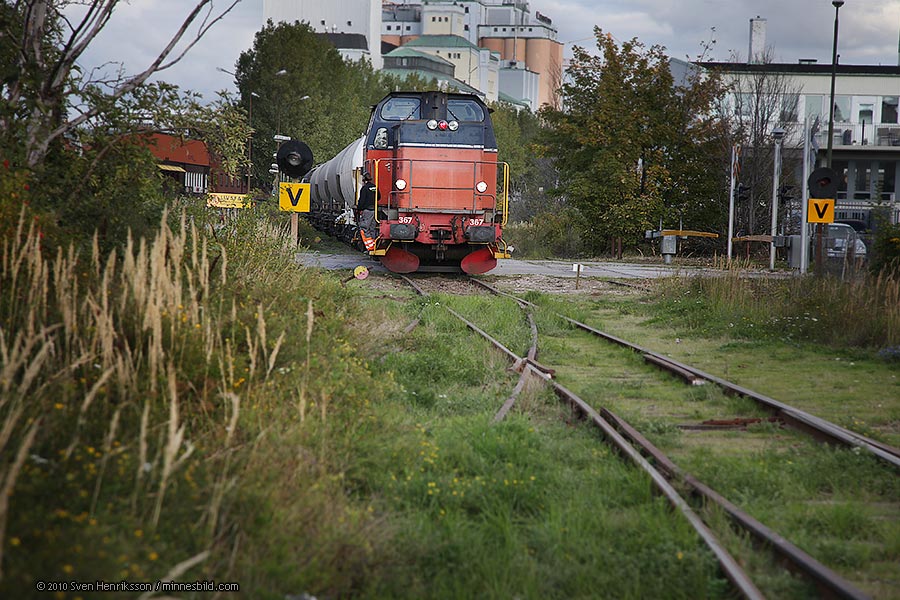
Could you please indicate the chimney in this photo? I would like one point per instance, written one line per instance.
(757, 51)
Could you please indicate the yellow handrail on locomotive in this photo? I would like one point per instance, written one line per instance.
(504, 198)
(505, 192)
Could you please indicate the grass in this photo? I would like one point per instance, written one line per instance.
(147, 396)
(530, 507)
(861, 313)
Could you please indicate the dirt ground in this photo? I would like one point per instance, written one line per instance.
(518, 284)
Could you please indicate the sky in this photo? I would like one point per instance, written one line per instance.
(869, 32)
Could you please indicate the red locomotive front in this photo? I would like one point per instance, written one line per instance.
(442, 196)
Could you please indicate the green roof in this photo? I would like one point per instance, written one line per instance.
(510, 100)
(442, 41)
(407, 52)
(429, 75)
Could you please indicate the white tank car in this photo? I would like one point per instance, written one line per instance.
(333, 184)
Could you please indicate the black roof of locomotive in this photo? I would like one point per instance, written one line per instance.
(470, 133)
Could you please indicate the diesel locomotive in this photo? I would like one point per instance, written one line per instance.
(442, 197)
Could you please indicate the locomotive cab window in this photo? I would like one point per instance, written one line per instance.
(465, 111)
(400, 109)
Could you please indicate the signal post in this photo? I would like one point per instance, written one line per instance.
(820, 210)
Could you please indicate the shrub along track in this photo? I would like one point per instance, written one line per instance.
(667, 477)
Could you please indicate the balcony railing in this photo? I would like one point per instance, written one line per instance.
(861, 134)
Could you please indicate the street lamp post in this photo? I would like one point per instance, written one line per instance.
(250, 144)
(834, 56)
(778, 136)
(820, 229)
(279, 73)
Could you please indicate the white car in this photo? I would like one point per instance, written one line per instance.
(839, 238)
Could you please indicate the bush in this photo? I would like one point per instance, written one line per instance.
(885, 252)
(549, 234)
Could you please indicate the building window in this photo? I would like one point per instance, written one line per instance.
(789, 108)
(433, 19)
(495, 29)
(466, 27)
(408, 27)
(814, 103)
(842, 108)
(889, 109)
(349, 23)
(323, 21)
(467, 10)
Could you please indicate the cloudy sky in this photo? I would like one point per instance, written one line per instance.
(869, 31)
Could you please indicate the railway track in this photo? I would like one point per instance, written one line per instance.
(819, 428)
(667, 477)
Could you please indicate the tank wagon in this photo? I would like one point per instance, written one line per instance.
(442, 196)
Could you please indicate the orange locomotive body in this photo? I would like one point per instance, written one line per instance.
(442, 195)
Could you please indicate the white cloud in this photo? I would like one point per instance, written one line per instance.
(796, 29)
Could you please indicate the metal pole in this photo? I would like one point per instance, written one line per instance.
(834, 56)
(731, 202)
(820, 230)
(778, 134)
(804, 203)
(250, 143)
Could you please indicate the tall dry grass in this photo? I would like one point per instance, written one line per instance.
(863, 311)
(127, 353)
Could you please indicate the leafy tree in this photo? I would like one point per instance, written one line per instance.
(45, 95)
(78, 139)
(630, 144)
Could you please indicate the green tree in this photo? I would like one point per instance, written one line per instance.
(631, 145)
(530, 174)
(301, 87)
(78, 140)
(45, 95)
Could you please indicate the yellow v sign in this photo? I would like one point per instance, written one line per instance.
(820, 210)
(293, 197)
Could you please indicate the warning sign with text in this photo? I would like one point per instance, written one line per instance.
(820, 210)
(228, 201)
(293, 197)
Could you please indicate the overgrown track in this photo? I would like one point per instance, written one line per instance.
(665, 474)
(819, 428)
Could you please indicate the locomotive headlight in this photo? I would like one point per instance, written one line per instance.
(400, 184)
(443, 125)
(481, 187)
(432, 124)
(453, 125)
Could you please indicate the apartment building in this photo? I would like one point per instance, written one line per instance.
(530, 58)
(866, 138)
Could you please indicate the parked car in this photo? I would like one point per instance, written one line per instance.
(841, 237)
